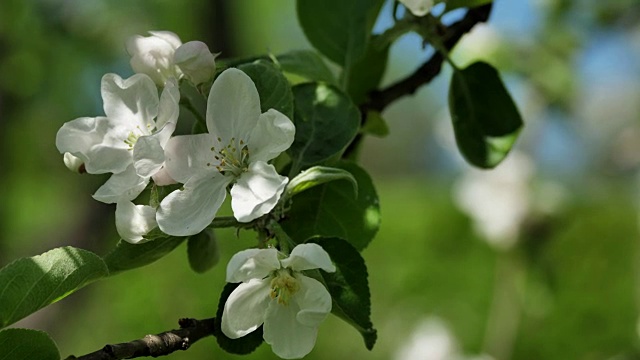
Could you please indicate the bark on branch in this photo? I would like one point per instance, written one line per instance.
(191, 330)
(380, 99)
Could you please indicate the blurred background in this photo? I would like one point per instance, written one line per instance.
(535, 260)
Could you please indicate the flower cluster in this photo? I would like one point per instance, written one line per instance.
(134, 142)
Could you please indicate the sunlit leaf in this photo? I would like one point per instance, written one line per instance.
(27, 344)
(128, 256)
(485, 119)
(326, 121)
(339, 29)
(306, 64)
(29, 284)
(332, 209)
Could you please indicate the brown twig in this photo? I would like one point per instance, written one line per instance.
(380, 99)
(191, 330)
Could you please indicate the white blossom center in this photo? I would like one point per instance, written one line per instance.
(283, 286)
(232, 157)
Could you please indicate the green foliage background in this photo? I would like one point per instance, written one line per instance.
(580, 289)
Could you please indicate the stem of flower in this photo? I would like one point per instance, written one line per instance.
(286, 243)
(226, 222)
(186, 103)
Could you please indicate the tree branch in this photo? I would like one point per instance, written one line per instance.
(380, 99)
(191, 330)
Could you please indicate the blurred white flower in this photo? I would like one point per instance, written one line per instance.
(431, 340)
(418, 7)
(498, 200)
(274, 292)
(235, 152)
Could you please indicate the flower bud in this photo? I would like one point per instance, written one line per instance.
(74, 163)
(196, 62)
(418, 7)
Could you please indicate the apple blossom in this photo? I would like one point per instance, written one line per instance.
(129, 141)
(235, 152)
(195, 61)
(274, 293)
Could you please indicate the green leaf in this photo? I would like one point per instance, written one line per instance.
(339, 29)
(318, 175)
(203, 252)
(326, 121)
(128, 256)
(375, 125)
(27, 344)
(367, 72)
(485, 119)
(332, 210)
(241, 346)
(349, 286)
(306, 64)
(456, 4)
(29, 284)
(272, 85)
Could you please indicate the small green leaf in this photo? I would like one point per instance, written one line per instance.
(485, 119)
(326, 121)
(29, 284)
(456, 4)
(27, 344)
(128, 256)
(203, 252)
(375, 125)
(272, 85)
(349, 286)
(367, 72)
(318, 175)
(332, 210)
(306, 64)
(339, 29)
(240, 346)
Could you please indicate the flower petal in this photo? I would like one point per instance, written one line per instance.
(188, 211)
(126, 185)
(252, 264)
(162, 178)
(97, 142)
(309, 256)
(233, 107)
(131, 102)
(134, 221)
(188, 155)
(153, 55)
(148, 154)
(314, 301)
(245, 308)
(196, 61)
(169, 104)
(273, 134)
(418, 7)
(289, 339)
(257, 191)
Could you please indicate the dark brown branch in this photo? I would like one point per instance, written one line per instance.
(380, 99)
(191, 330)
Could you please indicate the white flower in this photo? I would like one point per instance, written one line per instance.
(418, 7)
(235, 152)
(275, 293)
(498, 200)
(129, 141)
(73, 163)
(153, 55)
(196, 62)
(133, 222)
